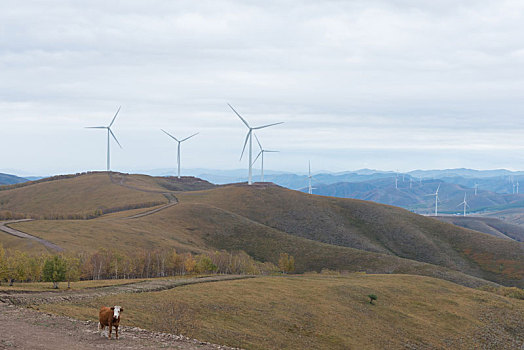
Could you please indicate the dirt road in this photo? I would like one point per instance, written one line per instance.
(21, 234)
(23, 328)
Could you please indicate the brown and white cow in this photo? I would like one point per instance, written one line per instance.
(109, 316)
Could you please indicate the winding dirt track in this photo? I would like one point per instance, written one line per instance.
(24, 328)
(21, 234)
(172, 200)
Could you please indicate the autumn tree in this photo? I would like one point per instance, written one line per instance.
(3, 264)
(175, 263)
(54, 270)
(34, 268)
(189, 263)
(72, 270)
(17, 267)
(286, 263)
(205, 265)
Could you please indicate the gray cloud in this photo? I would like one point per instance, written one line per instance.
(353, 80)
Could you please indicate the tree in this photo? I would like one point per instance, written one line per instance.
(205, 265)
(175, 263)
(17, 267)
(3, 264)
(189, 263)
(286, 263)
(34, 268)
(372, 297)
(72, 272)
(54, 270)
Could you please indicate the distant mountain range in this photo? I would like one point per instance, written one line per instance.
(6, 179)
(496, 189)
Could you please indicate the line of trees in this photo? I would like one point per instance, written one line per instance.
(114, 264)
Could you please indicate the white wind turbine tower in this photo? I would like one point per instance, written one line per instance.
(310, 177)
(517, 186)
(465, 203)
(249, 137)
(436, 199)
(109, 133)
(178, 148)
(262, 151)
(476, 187)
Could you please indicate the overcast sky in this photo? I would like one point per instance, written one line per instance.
(379, 84)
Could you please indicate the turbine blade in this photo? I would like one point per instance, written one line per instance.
(239, 116)
(266, 150)
(259, 153)
(259, 145)
(168, 134)
(187, 138)
(114, 137)
(245, 143)
(95, 127)
(265, 126)
(112, 121)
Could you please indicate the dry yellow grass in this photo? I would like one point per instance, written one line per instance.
(324, 312)
(77, 195)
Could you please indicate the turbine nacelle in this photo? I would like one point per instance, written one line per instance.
(109, 133)
(249, 137)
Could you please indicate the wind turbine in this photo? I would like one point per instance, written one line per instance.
(109, 133)
(476, 187)
(262, 151)
(517, 186)
(178, 148)
(310, 177)
(436, 199)
(249, 137)
(465, 203)
(396, 181)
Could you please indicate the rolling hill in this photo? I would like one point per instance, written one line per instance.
(492, 226)
(264, 220)
(89, 195)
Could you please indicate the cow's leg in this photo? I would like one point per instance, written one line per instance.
(116, 332)
(110, 328)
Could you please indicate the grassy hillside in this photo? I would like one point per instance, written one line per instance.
(492, 226)
(264, 220)
(80, 195)
(371, 227)
(324, 312)
(200, 228)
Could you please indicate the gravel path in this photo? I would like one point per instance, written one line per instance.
(21, 234)
(32, 298)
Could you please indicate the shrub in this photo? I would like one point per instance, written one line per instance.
(372, 297)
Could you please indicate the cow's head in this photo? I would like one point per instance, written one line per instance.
(116, 311)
